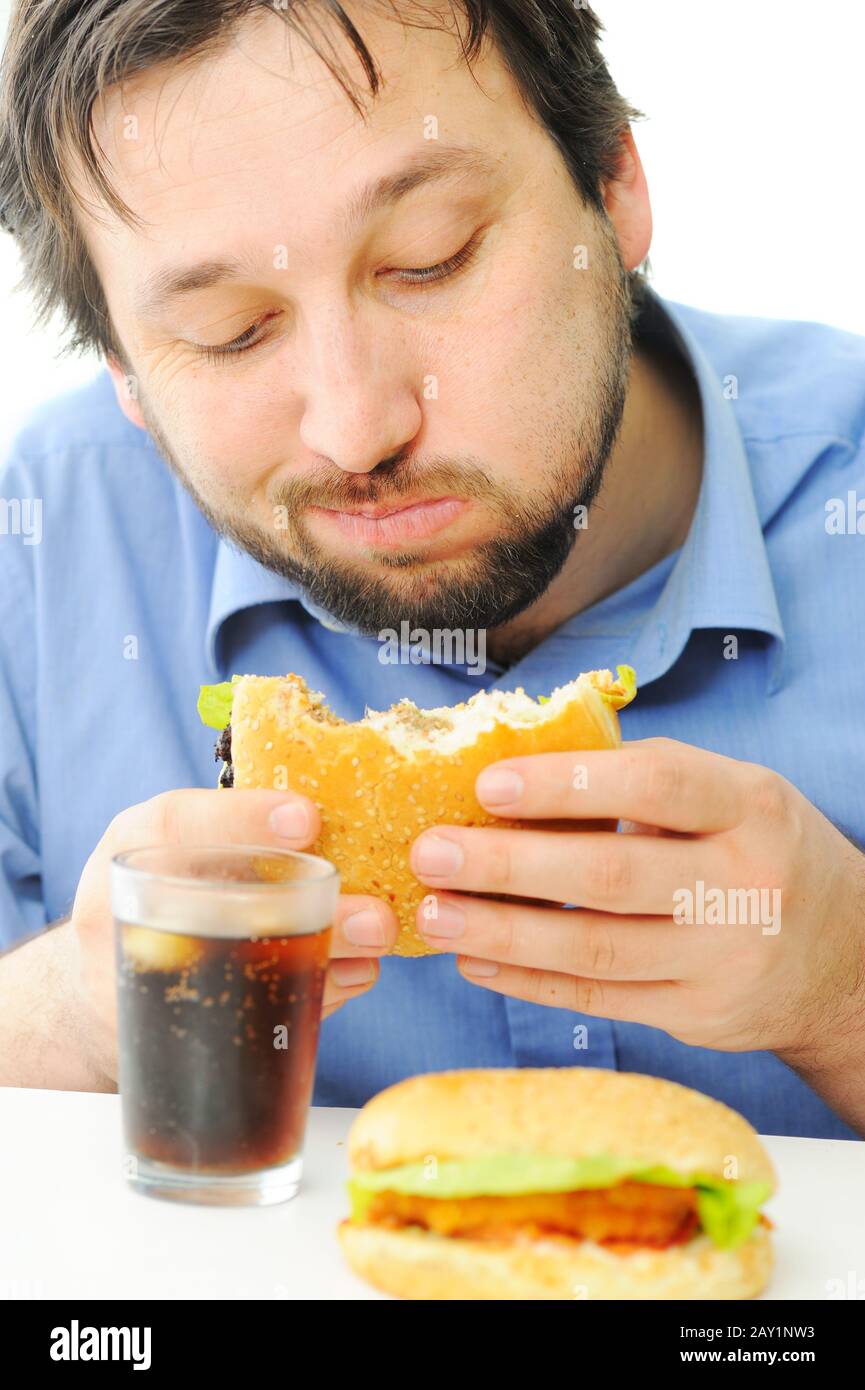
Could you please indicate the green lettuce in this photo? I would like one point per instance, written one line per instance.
(728, 1211)
(497, 1175)
(214, 703)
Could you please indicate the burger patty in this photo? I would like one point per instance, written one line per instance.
(634, 1214)
(222, 753)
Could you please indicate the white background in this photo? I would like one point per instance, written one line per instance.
(753, 148)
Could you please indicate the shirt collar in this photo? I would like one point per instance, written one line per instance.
(721, 578)
(240, 582)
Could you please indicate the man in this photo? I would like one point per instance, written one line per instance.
(401, 366)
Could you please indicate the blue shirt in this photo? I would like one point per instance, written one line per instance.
(129, 601)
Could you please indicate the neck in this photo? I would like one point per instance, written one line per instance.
(645, 507)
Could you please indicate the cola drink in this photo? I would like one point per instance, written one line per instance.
(220, 989)
(218, 1040)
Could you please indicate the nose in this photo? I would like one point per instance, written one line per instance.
(360, 405)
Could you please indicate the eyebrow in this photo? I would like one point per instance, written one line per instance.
(446, 163)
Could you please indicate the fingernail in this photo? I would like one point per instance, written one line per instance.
(449, 921)
(352, 972)
(481, 968)
(290, 821)
(364, 928)
(499, 786)
(438, 857)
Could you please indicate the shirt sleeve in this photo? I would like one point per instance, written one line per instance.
(22, 908)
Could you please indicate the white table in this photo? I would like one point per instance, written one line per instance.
(70, 1227)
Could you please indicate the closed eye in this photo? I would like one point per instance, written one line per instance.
(425, 275)
(242, 344)
(429, 274)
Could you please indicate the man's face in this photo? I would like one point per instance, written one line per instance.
(431, 384)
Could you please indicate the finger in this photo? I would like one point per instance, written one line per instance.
(598, 869)
(651, 1004)
(226, 816)
(363, 926)
(346, 979)
(658, 781)
(597, 945)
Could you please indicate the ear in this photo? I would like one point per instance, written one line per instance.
(626, 197)
(126, 391)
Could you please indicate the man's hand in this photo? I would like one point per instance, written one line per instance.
(786, 974)
(364, 927)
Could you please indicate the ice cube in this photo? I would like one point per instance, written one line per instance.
(149, 949)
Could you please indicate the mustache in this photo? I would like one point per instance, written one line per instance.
(387, 482)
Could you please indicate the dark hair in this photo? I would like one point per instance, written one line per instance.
(61, 54)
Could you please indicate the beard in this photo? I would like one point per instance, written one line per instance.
(500, 578)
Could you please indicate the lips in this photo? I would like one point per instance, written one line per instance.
(390, 525)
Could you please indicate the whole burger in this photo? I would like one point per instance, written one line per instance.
(559, 1183)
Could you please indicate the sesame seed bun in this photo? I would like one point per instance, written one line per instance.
(572, 1112)
(381, 781)
(417, 1264)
